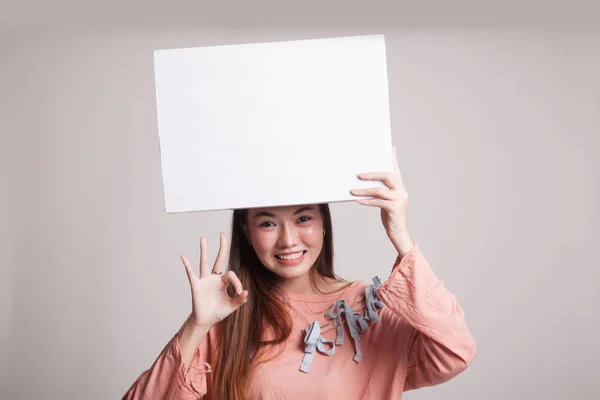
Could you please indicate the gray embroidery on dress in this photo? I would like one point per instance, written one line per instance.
(314, 341)
(357, 324)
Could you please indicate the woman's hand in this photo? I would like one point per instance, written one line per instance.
(210, 301)
(393, 201)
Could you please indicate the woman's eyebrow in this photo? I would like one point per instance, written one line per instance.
(302, 209)
(264, 214)
(270, 215)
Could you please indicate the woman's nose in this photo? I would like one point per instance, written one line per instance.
(288, 236)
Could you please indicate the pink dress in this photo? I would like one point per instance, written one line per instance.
(369, 341)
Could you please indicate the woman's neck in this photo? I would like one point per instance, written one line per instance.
(311, 283)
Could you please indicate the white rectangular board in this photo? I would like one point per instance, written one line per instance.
(271, 124)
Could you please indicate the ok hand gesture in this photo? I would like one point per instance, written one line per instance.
(210, 301)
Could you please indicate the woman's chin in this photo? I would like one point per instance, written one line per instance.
(290, 270)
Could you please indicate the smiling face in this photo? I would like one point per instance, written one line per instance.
(287, 240)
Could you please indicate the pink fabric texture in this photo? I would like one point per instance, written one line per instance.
(420, 340)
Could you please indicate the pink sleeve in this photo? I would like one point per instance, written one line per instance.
(168, 379)
(440, 344)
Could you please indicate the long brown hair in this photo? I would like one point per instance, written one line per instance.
(240, 333)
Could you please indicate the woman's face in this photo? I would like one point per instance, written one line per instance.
(287, 240)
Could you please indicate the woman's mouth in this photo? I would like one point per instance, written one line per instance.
(291, 259)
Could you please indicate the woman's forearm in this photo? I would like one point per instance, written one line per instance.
(189, 340)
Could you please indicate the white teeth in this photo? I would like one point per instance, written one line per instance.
(290, 256)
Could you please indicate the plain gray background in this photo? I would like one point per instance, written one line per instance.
(496, 114)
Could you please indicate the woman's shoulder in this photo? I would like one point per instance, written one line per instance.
(347, 290)
(357, 294)
(362, 288)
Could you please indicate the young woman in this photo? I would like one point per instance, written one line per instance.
(279, 324)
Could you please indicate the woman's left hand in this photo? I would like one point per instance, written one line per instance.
(393, 201)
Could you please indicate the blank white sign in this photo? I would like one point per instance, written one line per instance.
(271, 124)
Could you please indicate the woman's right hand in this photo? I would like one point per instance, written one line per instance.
(210, 301)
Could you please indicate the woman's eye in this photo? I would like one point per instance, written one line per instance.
(304, 219)
(266, 224)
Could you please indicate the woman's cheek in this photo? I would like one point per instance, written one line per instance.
(312, 234)
(265, 241)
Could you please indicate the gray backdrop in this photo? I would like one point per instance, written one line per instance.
(498, 133)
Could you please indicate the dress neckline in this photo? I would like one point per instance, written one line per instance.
(317, 298)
